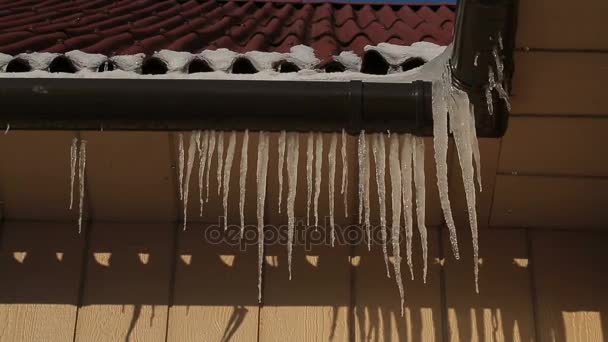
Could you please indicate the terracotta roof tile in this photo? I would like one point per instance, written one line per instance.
(115, 27)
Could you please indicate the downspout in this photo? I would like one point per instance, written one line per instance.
(139, 104)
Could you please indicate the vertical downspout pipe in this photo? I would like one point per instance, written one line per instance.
(481, 26)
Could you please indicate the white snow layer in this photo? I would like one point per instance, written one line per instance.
(221, 60)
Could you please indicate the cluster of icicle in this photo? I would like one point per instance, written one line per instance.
(406, 168)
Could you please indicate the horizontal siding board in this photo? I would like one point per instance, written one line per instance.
(556, 146)
(215, 294)
(560, 83)
(560, 25)
(41, 263)
(550, 202)
(570, 281)
(502, 310)
(126, 287)
(129, 176)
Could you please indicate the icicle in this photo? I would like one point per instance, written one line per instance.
(220, 160)
(440, 143)
(500, 68)
(332, 176)
(420, 200)
(194, 138)
(379, 152)
(227, 169)
(396, 187)
(318, 175)
(476, 59)
(459, 109)
(475, 147)
(202, 155)
(309, 159)
(261, 173)
(280, 165)
(293, 150)
(8, 128)
(82, 163)
(73, 157)
(180, 166)
(210, 151)
(489, 99)
(502, 93)
(243, 179)
(364, 174)
(406, 183)
(344, 190)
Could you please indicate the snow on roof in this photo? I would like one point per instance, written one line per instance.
(222, 64)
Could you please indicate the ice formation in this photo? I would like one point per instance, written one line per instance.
(73, 158)
(180, 164)
(210, 152)
(281, 163)
(203, 146)
(418, 166)
(192, 147)
(226, 175)
(220, 160)
(331, 159)
(82, 163)
(293, 150)
(406, 183)
(261, 173)
(318, 175)
(309, 159)
(243, 178)
(396, 193)
(378, 148)
(344, 189)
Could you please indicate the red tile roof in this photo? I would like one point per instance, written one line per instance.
(114, 27)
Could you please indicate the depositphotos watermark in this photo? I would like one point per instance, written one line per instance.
(304, 235)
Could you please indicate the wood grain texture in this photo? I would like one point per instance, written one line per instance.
(556, 146)
(215, 290)
(39, 292)
(35, 175)
(376, 312)
(552, 24)
(127, 283)
(502, 311)
(570, 274)
(313, 306)
(560, 83)
(129, 176)
(550, 202)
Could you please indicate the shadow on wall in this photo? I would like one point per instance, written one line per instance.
(210, 291)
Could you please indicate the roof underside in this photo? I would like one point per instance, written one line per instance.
(113, 27)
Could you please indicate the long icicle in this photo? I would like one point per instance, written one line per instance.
(82, 163)
(379, 152)
(226, 176)
(202, 157)
(318, 175)
(344, 190)
(406, 183)
(220, 160)
(440, 143)
(293, 150)
(210, 152)
(332, 176)
(194, 138)
(180, 164)
(396, 187)
(365, 174)
(459, 107)
(309, 158)
(420, 200)
(243, 179)
(73, 159)
(282, 137)
(360, 145)
(261, 173)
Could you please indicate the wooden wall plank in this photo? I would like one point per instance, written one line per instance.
(560, 83)
(35, 175)
(558, 25)
(550, 202)
(376, 308)
(313, 306)
(215, 292)
(127, 283)
(571, 279)
(129, 176)
(41, 263)
(502, 311)
(556, 146)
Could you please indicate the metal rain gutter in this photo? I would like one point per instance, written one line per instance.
(139, 104)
